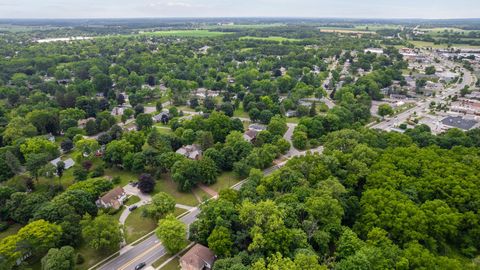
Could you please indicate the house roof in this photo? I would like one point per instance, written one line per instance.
(198, 257)
(459, 122)
(250, 134)
(112, 195)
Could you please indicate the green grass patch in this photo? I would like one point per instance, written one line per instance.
(167, 185)
(161, 260)
(125, 176)
(91, 256)
(423, 44)
(188, 33)
(137, 226)
(172, 265)
(239, 112)
(293, 120)
(132, 200)
(225, 181)
(271, 38)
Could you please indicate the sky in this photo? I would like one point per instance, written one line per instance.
(426, 9)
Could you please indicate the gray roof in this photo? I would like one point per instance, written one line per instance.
(459, 122)
(68, 162)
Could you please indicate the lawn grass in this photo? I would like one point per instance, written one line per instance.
(91, 256)
(172, 265)
(188, 33)
(423, 44)
(132, 200)
(137, 226)
(225, 181)
(13, 229)
(166, 184)
(125, 176)
(161, 260)
(239, 112)
(271, 38)
(293, 120)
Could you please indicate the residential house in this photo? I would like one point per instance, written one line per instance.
(250, 135)
(198, 257)
(191, 151)
(162, 117)
(291, 113)
(82, 123)
(112, 199)
(374, 50)
(68, 162)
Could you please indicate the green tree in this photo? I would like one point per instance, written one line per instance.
(59, 259)
(384, 110)
(220, 241)
(101, 233)
(116, 151)
(172, 233)
(162, 204)
(144, 121)
(277, 126)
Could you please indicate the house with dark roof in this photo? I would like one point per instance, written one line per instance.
(112, 199)
(198, 258)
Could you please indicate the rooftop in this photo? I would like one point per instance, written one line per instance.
(459, 122)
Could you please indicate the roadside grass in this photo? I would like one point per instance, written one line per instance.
(161, 260)
(271, 38)
(172, 265)
(90, 255)
(225, 181)
(188, 33)
(137, 226)
(132, 200)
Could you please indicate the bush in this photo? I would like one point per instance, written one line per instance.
(98, 171)
(116, 180)
(4, 226)
(80, 259)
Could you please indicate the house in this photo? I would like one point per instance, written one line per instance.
(162, 117)
(374, 50)
(191, 151)
(291, 113)
(50, 137)
(250, 135)
(204, 49)
(82, 123)
(68, 162)
(257, 127)
(197, 258)
(112, 199)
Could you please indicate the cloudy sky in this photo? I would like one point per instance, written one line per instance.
(240, 8)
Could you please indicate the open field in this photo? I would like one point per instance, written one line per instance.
(424, 44)
(272, 38)
(345, 30)
(188, 33)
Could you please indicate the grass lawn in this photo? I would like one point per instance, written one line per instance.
(168, 186)
(293, 120)
(132, 200)
(172, 265)
(239, 112)
(189, 33)
(440, 46)
(13, 229)
(125, 176)
(163, 129)
(137, 226)
(225, 181)
(91, 256)
(271, 38)
(159, 262)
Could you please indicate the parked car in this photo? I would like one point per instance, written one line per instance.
(133, 207)
(140, 266)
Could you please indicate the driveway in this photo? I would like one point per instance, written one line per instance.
(133, 191)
